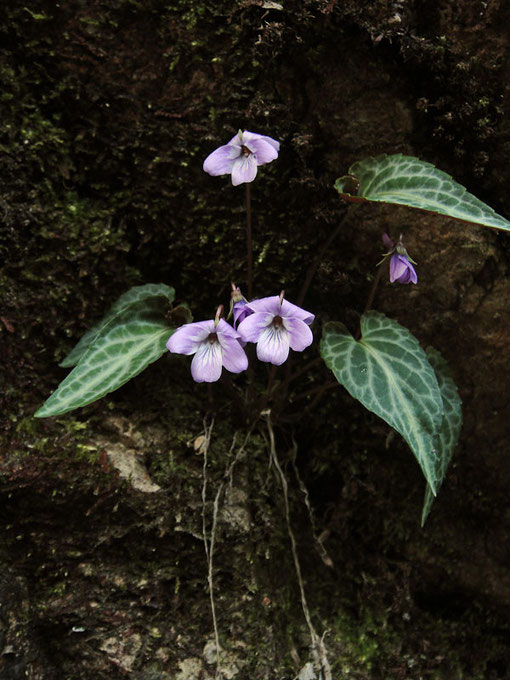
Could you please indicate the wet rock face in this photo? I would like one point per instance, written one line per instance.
(108, 112)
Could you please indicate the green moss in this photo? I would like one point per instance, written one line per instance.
(364, 644)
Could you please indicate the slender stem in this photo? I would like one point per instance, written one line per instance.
(301, 416)
(270, 381)
(371, 295)
(269, 388)
(373, 290)
(321, 388)
(313, 403)
(315, 265)
(312, 271)
(226, 381)
(249, 277)
(249, 247)
(299, 372)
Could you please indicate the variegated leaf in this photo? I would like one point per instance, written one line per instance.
(409, 181)
(389, 373)
(449, 432)
(131, 297)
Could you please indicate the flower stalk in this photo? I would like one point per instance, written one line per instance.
(249, 245)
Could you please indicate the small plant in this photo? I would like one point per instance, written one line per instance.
(383, 366)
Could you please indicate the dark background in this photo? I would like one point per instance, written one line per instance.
(108, 109)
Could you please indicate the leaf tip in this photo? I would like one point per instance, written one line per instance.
(347, 184)
(40, 412)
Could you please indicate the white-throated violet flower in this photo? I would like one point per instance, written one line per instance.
(276, 326)
(215, 345)
(241, 156)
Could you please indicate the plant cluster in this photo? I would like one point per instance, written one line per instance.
(382, 366)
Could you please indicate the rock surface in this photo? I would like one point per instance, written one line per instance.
(108, 110)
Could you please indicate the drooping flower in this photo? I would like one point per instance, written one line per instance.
(401, 265)
(240, 311)
(238, 305)
(241, 156)
(276, 326)
(215, 345)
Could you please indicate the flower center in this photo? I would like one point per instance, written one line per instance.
(213, 338)
(277, 321)
(245, 151)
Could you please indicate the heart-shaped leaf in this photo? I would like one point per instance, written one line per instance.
(406, 180)
(449, 432)
(129, 298)
(122, 348)
(389, 373)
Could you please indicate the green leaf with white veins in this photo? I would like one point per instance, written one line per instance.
(131, 297)
(448, 435)
(389, 373)
(406, 180)
(123, 348)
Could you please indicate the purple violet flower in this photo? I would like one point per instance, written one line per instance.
(241, 156)
(215, 345)
(238, 306)
(276, 325)
(401, 265)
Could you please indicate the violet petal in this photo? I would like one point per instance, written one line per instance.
(244, 169)
(236, 141)
(234, 356)
(264, 152)
(300, 335)
(250, 137)
(225, 329)
(187, 338)
(251, 328)
(220, 161)
(273, 345)
(293, 311)
(413, 274)
(240, 311)
(398, 266)
(207, 362)
(409, 276)
(271, 305)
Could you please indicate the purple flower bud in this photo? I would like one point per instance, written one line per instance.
(241, 156)
(240, 311)
(238, 308)
(215, 345)
(401, 269)
(401, 265)
(276, 326)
